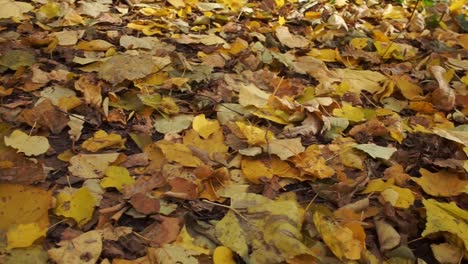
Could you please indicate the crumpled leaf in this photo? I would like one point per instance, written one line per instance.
(205, 127)
(117, 177)
(290, 40)
(273, 238)
(122, 67)
(102, 140)
(446, 217)
(376, 151)
(388, 237)
(90, 166)
(29, 145)
(340, 239)
(312, 162)
(77, 204)
(441, 183)
(84, 249)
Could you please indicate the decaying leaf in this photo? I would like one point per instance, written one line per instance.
(85, 248)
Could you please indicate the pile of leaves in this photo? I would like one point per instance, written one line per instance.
(233, 131)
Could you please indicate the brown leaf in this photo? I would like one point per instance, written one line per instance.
(19, 169)
(45, 114)
(91, 89)
(145, 204)
(164, 232)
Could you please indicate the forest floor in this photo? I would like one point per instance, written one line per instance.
(233, 131)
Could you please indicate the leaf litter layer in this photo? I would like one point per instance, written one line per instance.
(233, 131)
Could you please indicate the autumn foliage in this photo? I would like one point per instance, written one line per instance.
(233, 131)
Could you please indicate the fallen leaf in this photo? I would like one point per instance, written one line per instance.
(122, 67)
(223, 255)
(14, 8)
(77, 204)
(396, 196)
(341, 240)
(179, 153)
(389, 238)
(84, 249)
(376, 151)
(441, 184)
(312, 162)
(205, 127)
(29, 145)
(90, 166)
(45, 114)
(290, 40)
(254, 170)
(255, 135)
(446, 217)
(447, 253)
(101, 140)
(24, 235)
(173, 124)
(169, 254)
(117, 177)
(285, 148)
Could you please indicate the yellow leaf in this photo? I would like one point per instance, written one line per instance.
(441, 183)
(285, 148)
(255, 169)
(87, 246)
(446, 217)
(102, 140)
(312, 162)
(409, 89)
(117, 177)
(238, 46)
(350, 112)
(255, 135)
(94, 45)
(214, 144)
(234, 5)
(90, 166)
(205, 127)
(179, 153)
(339, 239)
(22, 205)
(223, 255)
(398, 51)
(77, 204)
(24, 235)
(396, 196)
(30, 145)
(359, 43)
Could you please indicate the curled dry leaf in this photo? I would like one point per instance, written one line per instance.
(444, 96)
